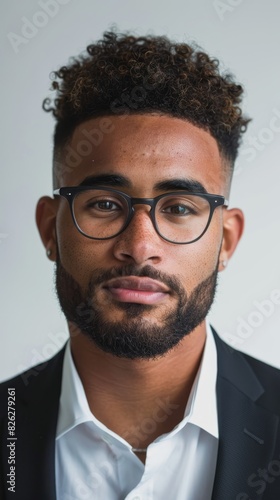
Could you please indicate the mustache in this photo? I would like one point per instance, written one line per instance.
(100, 276)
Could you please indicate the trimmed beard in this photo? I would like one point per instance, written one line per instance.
(133, 337)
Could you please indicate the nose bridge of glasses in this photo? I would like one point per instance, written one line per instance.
(142, 201)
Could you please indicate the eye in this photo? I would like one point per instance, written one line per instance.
(180, 210)
(101, 203)
(105, 205)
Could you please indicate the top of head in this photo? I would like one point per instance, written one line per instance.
(123, 74)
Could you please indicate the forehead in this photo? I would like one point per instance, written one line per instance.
(146, 149)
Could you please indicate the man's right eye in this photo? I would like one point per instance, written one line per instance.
(106, 205)
(103, 205)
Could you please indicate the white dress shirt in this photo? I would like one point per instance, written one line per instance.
(94, 463)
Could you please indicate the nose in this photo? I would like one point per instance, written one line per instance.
(139, 243)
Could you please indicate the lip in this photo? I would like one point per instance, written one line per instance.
(140, 290)
(142, 284)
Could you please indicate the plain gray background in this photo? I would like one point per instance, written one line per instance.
(40, 36)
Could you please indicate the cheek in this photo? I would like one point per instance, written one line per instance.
(67, 235)
(195, 262)
(79, 255)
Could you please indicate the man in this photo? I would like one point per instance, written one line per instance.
(145, 401)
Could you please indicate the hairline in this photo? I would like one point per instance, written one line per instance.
(58, 150)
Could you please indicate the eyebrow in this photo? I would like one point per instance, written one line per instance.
(190, 185)
(113, 180)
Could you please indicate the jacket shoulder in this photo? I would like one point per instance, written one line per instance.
(35, 378)
(244, 368)
(269, 377)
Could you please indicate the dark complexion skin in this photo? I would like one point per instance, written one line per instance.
(133, 338)
(145, 150)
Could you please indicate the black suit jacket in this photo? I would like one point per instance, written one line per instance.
(248, 395)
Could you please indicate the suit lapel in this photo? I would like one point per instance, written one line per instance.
(37, 401)
(247, 431)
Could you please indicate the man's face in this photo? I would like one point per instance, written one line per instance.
(137, 295)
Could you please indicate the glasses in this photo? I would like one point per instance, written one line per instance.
(103, 213)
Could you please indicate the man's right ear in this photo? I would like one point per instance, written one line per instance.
(46, 211)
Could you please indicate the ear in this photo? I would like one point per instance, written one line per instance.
(46, 211)
(233, 230)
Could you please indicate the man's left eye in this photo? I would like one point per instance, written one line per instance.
(177, 210)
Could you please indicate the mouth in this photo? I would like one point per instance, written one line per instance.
(139, 290)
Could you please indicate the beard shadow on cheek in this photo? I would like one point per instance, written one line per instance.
(134, 337)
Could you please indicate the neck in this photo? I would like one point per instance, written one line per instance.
(125, 394)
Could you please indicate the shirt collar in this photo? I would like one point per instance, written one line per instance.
(203, 400)
(201, 409)
(73, 405)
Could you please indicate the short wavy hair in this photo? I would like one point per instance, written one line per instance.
(122, 74)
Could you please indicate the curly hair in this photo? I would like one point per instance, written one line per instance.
(123, 74)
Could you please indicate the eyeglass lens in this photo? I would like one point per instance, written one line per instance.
(179, 218)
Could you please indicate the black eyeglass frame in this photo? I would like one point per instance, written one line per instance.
(69, 193)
